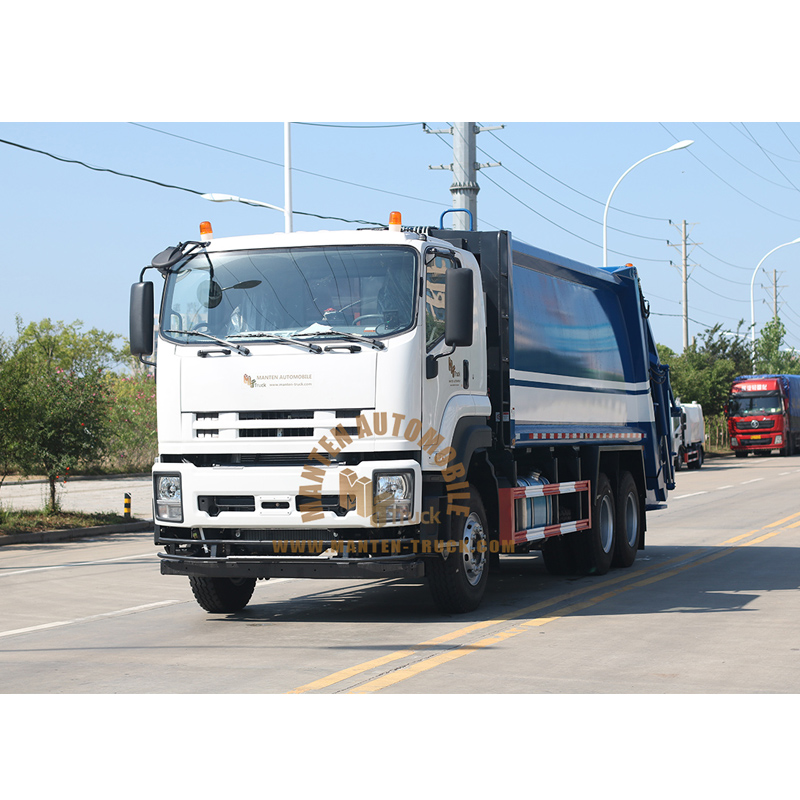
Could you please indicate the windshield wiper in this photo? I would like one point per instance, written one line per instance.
(237, 347)
(325, 330)
(279, 337)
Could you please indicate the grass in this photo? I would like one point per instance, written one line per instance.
(35, 521)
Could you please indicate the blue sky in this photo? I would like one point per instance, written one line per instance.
(76, 238)
(593, 86)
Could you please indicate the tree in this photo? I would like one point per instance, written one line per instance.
(769, 359)
(67, 346)
(67, 423)
(55, 398)
(704, 371)
(132, 435)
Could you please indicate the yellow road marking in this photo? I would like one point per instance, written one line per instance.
(429, 663)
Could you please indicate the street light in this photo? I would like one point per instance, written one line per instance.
(752, 306)
(230, 198)
(676, 146)
(287, 185)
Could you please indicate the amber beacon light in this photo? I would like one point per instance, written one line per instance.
(206, 234)
(395, 220)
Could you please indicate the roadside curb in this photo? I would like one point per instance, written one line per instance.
(75, 533)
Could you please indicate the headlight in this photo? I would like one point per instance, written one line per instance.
(733, 441)
(168, 498)
(779, 439)
(393, 496)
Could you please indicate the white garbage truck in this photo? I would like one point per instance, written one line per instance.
(397, 403)
(689, 436)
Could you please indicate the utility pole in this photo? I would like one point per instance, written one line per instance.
(775, 294)
(685, 280)
(775, 288)
(464, 189)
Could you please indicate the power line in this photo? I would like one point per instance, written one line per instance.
(294, 169)
(750, 138)
(329, 125)
(757, 174)
(731, 186)
(768, 156)
(164, 185)
(571, 188)
(539, 214)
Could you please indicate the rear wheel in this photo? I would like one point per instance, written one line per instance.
(629, 522)
(458, 582)
(594, 549)
(698, 462)
(222, 595)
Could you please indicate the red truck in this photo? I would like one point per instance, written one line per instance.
(763, 413)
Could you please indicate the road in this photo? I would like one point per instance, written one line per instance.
(710, 607)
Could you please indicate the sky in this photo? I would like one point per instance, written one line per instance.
(76, 238)
(581, 99)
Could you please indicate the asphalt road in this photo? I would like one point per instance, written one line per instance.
(709, 608)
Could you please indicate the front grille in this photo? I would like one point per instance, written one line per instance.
(747, 425)
(273, 424)
(265, 433)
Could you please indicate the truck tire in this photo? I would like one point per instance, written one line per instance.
(458, 582)
(628, 522)
(740, 453)
(222, 595)
(698, 462)
(594, 549)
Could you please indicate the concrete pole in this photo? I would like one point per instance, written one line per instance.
(685, 293)
(464, 189)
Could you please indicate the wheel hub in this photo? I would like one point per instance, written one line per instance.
(473, 549)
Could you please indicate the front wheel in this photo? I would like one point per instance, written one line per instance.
(458, 582)
(222, 595)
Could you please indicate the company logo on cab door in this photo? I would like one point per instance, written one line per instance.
(277, 379)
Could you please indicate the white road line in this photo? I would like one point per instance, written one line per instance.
(73, 564)
(122, 612)
(132, 610)
(693, 494)
(729, 486)
(755, 480)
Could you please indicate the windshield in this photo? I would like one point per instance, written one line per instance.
(368, 291)
(749, 405)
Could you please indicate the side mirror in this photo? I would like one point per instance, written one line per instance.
(141, 318)
(167, 258)
(459, 312)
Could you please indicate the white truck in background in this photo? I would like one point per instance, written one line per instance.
(689, 436)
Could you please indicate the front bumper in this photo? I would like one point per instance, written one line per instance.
(286, 498)
(265, 567)
(763, 441)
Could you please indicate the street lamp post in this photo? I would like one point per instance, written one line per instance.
(752, 304)
(676, 146)
(287, 185)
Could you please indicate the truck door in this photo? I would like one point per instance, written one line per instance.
(455, 378)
